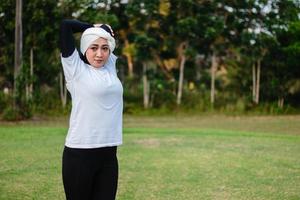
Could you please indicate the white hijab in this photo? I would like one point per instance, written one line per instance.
(92, 34)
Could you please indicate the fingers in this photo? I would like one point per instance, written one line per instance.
(112, 32)
(107, 26)
(97, 25)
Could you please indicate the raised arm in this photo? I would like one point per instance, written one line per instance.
(66, 41)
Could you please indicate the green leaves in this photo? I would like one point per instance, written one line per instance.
(186, 27)
(145, 45)
(240, 32)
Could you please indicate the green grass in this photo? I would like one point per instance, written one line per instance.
(178, 157)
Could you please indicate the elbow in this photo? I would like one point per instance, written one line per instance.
(63, 23)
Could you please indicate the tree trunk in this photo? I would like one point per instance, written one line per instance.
(18, 45)
(280, 102)
(181, 77)
(213, 77)
(253, 82)
(29, 87)
(181, 54)
(130, 66)
(257, 81)
(162, 66)
(199, 62)
(31, 73)
(146, 86)
(129, 60)
(63, 90)
(27, 91)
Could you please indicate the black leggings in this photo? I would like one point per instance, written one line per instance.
(90, 174)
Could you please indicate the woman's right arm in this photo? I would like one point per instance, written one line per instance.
(67, 28)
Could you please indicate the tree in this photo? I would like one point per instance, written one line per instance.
(283, 79)
(215, 34)
(262, 19)
(254, 44)
(143, 20)
(18, 47)
(179, 34)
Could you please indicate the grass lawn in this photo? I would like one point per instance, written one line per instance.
(175, 157)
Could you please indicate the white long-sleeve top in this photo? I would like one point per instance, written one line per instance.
(97, 103)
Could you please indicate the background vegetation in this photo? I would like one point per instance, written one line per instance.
(190, 55)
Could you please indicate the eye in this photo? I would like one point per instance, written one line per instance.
(105, 48)
(94, 48)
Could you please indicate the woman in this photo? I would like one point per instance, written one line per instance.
(90, 165)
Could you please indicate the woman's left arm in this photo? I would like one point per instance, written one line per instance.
(67, 28)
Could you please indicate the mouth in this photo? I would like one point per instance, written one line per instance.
(98, 63)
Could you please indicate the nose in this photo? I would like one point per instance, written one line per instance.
(99, 53)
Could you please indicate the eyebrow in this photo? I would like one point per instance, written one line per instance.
(96, 45)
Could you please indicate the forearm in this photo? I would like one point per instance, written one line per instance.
(67, 28)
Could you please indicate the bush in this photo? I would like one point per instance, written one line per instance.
(10, 114)
(4, 101)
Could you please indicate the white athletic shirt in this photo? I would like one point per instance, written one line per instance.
(97, 103)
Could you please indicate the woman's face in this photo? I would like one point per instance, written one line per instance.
(98, 53)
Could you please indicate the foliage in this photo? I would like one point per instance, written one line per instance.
(239, 32)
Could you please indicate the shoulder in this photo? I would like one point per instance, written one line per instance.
(73, 57)
(72, 65)
(111, 63)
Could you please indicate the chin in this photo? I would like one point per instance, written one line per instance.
(97, 66)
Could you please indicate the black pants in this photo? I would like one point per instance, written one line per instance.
(90, 174)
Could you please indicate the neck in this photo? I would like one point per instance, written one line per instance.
(84, 59)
